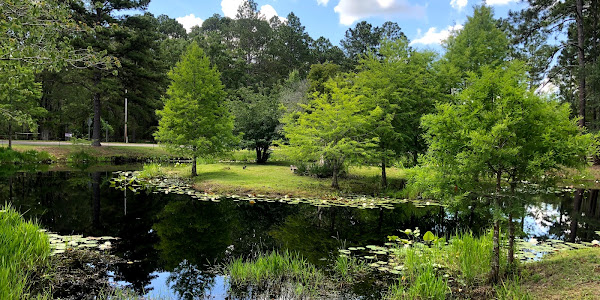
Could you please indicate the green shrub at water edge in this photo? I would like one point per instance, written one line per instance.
(81, 157)
(23, 248)
(9, 156)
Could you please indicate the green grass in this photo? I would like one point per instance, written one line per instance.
(276, 270)
(276, 180)
(104, 153)
(511, 289)
(573, 274)
(9, 156)
(23, 250)
(348, 267)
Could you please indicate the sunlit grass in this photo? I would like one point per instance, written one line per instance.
(23, 249)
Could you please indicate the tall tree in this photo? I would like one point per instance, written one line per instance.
(402, 83)
(333, 128)
(577, 20)
(480, 43)
(195, 119)
(101, 14)
(499, 133)
(257, 120)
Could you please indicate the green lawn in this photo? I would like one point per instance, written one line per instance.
(571, 274)
(102, 153)
(277, 180)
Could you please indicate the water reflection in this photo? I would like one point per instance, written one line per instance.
(175, 240)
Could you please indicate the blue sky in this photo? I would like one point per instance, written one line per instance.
(425, 23)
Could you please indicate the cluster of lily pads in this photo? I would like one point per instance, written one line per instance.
(173, 185)
(382, 258)
(61, 243)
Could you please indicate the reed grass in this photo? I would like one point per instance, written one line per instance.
(276, 269)
(23, 249)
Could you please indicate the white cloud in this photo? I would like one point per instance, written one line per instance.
(458, 4)
(546, 87)
(230, 7)
(322, 2)
(432, 36)
(499, 2)
(189, 21)
(351, 11)
(268, 12)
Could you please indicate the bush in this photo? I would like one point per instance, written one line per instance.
(318, 170)
(9, 156)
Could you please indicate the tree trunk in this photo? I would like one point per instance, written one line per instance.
(511, 240)
(194, 173)
(495, 264)
(10, 134)
(581, 61)
(334, 183)
(97, 112)
(261, 155)
(383, 174)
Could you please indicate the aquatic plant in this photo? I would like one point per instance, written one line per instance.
(23, 249)
(276, 269)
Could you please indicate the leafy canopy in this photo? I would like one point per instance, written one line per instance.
(195, 119)
(499, 129)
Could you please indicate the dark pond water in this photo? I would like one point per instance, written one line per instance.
(173, 239)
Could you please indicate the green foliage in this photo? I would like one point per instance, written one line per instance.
(38, 34)
(195, 119)
(511, 290)
(23, 249)
(333, 128)
(18, 96)
(480, 43)
(257, 121)
(9, 156)
(499, 128)
(81, 156)
(400, 81)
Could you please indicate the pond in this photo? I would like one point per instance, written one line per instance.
(172, 241)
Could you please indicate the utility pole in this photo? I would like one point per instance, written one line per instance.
(126, 138)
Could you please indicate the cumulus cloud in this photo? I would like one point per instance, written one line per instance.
(499, 2)
(230, 8)
(268, 12)
(322, 2)
(458, 4)
(433, 36)
(351, 11)
(189, 21)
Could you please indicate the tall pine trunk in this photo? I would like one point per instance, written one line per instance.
(10, 133)
(383, 174)
(581, 61)
(97, 111)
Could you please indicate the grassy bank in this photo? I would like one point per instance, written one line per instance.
(104, 154)
(24, 250)
(564, 275)
(278, 180)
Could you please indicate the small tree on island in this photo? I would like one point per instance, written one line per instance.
(195, 120)
(495, 135)
(334, 127)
